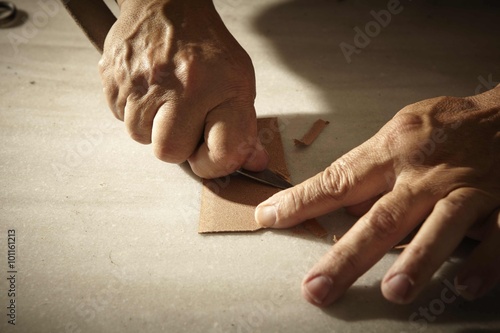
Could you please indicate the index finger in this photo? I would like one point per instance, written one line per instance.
(355, 177)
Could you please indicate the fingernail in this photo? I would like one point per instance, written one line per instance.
(265, 215)
(472, 286)
(398, 287)
(318, 288)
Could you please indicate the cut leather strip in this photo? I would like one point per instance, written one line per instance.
(228, 204)
(312, 134)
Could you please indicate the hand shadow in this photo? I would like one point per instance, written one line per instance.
(439, 303)
(428, 49)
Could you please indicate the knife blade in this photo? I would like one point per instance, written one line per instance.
(267, 177)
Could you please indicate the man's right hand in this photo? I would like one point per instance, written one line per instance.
(178, 79)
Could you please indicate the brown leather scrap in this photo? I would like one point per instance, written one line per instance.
(312, 134)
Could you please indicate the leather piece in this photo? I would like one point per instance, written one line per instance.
(228, 204)
(93, 17)
(312, 134)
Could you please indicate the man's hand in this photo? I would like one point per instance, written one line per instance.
(178, 79)
(436, 162)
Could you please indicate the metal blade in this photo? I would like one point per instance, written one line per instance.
(267, 177)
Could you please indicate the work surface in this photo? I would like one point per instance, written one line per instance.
(106, 235)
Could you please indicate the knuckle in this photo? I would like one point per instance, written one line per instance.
(160, 74)
(189, 67)
(139, 125)
(405, 122)
(118, 115)
(418, 256)
(337, 180)
(346, 258)
(168, 153)
(227, 159)
(105, 68)
(449, 207)
(291, 203)
(138, 87)
(383, 223)
(140, 137)
(102, 65)
(452, 103)
(398, 128)
(117, 110)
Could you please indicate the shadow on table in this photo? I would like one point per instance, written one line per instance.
(367, 303)
(439, 303)
(429, 48)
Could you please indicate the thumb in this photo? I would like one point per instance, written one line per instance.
(352, 179)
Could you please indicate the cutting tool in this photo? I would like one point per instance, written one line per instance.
(267, 177)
